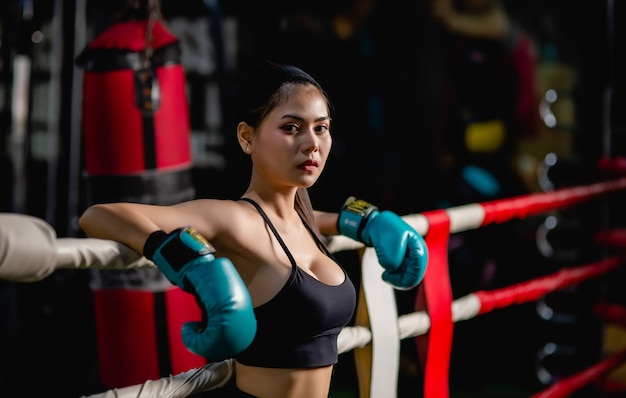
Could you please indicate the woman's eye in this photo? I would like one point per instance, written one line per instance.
(321, 129)
(290, 127)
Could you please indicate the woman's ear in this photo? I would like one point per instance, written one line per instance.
(244, 136)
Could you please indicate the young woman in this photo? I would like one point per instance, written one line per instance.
(274, 298)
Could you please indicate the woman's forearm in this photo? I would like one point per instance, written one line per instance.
(119, 222)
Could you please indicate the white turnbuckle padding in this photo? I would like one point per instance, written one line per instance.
(30, 251)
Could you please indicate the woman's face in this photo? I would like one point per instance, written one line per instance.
(291, 145)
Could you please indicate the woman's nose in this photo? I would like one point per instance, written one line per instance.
(312, 143)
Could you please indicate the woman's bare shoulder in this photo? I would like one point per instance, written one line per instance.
(219, 217)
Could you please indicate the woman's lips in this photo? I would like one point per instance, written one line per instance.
(308, 165)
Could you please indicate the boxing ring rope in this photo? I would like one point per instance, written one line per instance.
(482, 302)
(374, 338)
(565, 387)
(379, 376)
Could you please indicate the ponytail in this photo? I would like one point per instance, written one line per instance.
(305, 209)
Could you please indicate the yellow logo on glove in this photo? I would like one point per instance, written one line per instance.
(200, 239)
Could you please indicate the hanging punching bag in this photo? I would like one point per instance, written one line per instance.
(136, 143)
(135, 116)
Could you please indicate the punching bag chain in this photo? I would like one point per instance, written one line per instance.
(149, 10)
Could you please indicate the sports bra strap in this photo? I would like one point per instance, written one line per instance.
(274, 231)
(319, 243)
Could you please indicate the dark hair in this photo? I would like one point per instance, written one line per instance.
(259, 93)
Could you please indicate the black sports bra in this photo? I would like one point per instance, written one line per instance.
(298, 327)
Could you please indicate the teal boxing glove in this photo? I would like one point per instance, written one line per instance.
(400, 249)
(228, 322)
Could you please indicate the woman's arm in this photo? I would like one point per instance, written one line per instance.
(326, 222)
(132, 223)
(127, 223)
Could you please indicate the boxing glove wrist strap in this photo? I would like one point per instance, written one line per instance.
(153, 242)
(353, 217)
(177, 248)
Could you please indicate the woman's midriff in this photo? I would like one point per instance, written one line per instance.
(284, 383)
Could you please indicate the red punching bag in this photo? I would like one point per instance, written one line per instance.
(136, 142)
(135, 116)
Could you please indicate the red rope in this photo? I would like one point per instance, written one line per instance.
(614, 164)
(499, 211)
(535, 289)
(612, 237)
(435, 291)
(565, 387)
